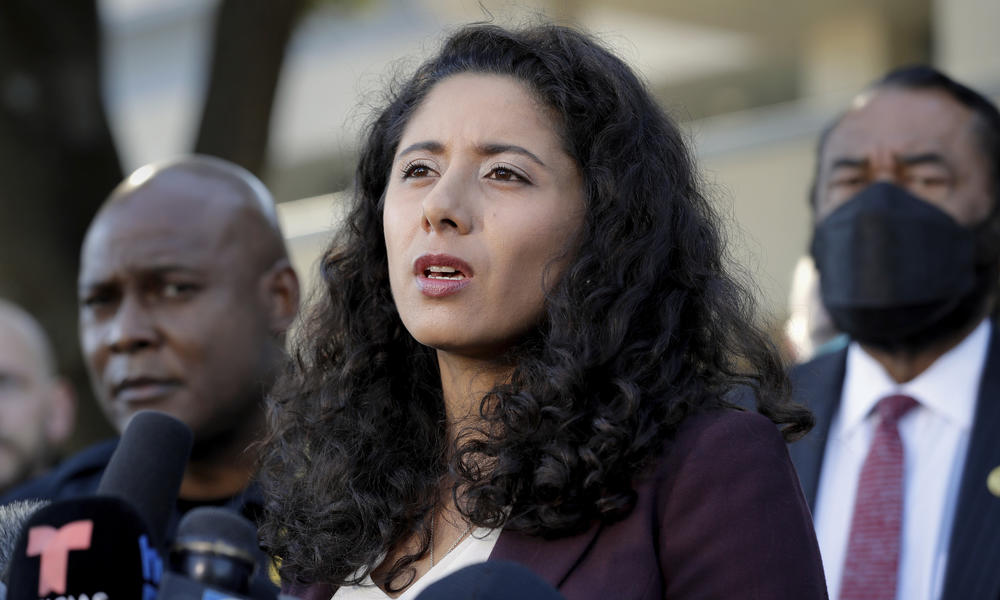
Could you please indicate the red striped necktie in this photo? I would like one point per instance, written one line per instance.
(873, 549)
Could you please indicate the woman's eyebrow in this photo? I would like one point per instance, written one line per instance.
(486, 149)
(491, 148)
(430, 145)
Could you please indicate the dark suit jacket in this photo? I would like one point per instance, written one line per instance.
(720, 516)
(973, 569)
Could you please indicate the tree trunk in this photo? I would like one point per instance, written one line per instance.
(249, 48)
(57, 164)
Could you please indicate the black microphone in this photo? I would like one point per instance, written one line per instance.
(108, 546)
(13, 516)
(97, 548)
(147, 467)
(214, 556)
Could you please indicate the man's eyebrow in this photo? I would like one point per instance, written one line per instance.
(908, 160)
(847, 162)
(923, 158)
(151, 271)
(11, 378)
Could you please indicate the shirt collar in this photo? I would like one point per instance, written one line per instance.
(949, 387)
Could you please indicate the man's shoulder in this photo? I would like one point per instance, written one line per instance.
(819, 366)
(819, 379)
(78, 475)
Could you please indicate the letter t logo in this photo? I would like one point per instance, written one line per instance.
(53, 546)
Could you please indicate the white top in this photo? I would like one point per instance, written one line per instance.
(935, 438)
(475, 548)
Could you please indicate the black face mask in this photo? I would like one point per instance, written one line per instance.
(896, 271)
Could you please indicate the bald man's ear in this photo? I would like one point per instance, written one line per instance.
(61, 419)
(281, 294)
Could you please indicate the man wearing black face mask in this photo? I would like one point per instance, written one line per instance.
(903, 467)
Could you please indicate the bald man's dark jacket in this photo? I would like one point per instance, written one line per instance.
(80, 474)
(973, 569)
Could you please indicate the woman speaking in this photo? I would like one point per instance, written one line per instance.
(527, 349)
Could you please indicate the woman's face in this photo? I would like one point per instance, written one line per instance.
(481, 213)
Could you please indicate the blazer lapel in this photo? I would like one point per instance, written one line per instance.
(818, 385)
(552, 560)
(974, 552)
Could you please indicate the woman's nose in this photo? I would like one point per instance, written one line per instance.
(448, 205)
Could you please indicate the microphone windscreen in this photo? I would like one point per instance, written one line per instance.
(216, 547)
(97, 547)
(231, 533)
(147, 467)
(13, 516)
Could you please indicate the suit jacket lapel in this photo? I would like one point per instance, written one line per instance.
(974, 552)
(818, 385)
(552, 560)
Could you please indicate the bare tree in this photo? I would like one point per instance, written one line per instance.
(57, 162)
(250, 40)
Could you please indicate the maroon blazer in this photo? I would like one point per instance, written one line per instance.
(721, 515)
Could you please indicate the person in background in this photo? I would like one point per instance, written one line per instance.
(525, 350)
(903, 468)
(185, 295)
(37, 406)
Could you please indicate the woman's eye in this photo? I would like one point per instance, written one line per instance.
(416, 170)
(504, 173)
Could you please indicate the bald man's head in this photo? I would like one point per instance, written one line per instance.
(37, 408)
(17, 324)
(210, 182)
(185, 293)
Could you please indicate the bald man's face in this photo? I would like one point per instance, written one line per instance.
(173, 308)
(28, 398)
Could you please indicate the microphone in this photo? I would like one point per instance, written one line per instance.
(97, 548)
(108, 546)
(213, 556)
(13, 516)
(147, 467)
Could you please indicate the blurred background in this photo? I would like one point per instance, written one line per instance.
(91, 89)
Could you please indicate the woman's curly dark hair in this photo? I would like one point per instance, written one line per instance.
(643, 328)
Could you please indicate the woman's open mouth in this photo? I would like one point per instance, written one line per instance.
(440, 275)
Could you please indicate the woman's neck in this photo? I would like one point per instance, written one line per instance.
(464, 383)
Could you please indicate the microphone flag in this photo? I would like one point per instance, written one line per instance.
(94, 547)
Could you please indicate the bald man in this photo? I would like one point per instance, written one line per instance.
(185, 294)
(37, 407)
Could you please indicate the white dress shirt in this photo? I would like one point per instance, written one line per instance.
(475, 548)
(935, 438)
